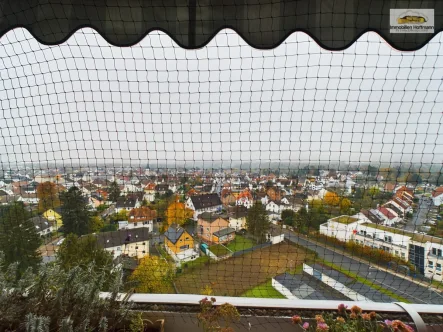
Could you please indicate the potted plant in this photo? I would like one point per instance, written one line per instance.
(138, 324)
(351, 320)
(214, 318)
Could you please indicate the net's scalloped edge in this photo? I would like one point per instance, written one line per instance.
(216, 32)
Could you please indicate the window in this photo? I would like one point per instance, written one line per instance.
(403, 255)
(388, 239)
(439, 267)
(187, 238)
(136, 248)
(396, 253)
(135, 224)
(119, 248)
(439, 253)
(431, 264)
(434, 251)
(184, 247)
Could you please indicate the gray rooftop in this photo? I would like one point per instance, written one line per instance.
(356, 286)
(118, 238)
(224, 231)
(205, 201)
(40, 223)
(173, 233)
(304, 286)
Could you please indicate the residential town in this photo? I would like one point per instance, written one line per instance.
(192, 218)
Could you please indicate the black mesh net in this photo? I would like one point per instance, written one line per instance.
(290, 173)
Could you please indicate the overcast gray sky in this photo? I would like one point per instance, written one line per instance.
(86, 100)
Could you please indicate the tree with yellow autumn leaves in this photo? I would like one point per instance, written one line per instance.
(178, 213)
(331, 199)
(153, 275)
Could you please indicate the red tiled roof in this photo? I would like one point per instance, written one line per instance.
(150, 186)
(142, 214)
(387, 213)
(403, 189)
(400, 202)
(437, 192)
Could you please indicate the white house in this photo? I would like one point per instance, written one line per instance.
(28, 198)
(399, 206)
(244, 198)
(139, 217)
(389, 216)
(173, 187)
(437, 196)
(343, 228)
(388, 239)
(237, 217)
(204, 203)
(149, 192)
(434, 261)
(265, 200)
(423, 251)
(42, 226)
(275, 236)
(131, 188)
(317, 185)
(131, 243)
(126, 204)
(277, 207)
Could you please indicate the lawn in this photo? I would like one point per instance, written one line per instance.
(240, 243)
(196, 263)
(236, 275)
(264, 291)
(345, 220)
(219, 250)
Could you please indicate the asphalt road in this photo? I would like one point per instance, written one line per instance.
(420, 214)
(405, 288)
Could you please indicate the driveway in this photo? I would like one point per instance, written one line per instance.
(405, 288)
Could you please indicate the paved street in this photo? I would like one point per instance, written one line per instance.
(420, 214)
(405, 288)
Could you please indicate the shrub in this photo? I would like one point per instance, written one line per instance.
(52, 299)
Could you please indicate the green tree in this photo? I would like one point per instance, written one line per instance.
(288, 217)
(75, 251)
(345, 205)
(114, 191)
(102, 207)
(373, 191)
(120, 216)
(414, 178)
(109, 228)
(75, 212)
(19, 240)
(95, 224)
(372, 170)
(257, 222)
(301, 219)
